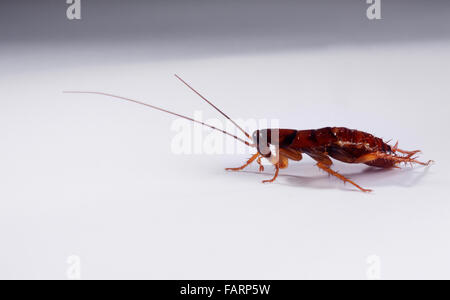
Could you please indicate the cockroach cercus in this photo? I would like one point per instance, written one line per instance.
(279, 146)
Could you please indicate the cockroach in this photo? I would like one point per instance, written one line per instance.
(279, 146)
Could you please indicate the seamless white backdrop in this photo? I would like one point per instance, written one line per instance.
(94, 177)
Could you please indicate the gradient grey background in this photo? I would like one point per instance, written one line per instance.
(86, 176)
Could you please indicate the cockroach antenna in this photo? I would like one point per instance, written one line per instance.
(215, 107)
(163, 110)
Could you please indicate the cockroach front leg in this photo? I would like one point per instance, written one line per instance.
(261, 167)
(252, 159)
(277, 170)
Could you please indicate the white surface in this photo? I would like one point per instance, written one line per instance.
(90, 176)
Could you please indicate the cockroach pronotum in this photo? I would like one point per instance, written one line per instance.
(279, 146)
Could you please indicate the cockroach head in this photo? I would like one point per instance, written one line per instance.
(265, 138)
(278, 138)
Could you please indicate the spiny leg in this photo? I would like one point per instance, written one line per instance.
(277, 170)
(341, 177)
(408, 153)
(252, 159)
(389, 157)
(324, 162)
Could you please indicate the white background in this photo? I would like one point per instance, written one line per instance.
(94, 177)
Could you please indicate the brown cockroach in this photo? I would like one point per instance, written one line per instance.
(279, 146)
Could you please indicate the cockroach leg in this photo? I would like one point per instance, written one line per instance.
(405, 160)
(341, 177)
(261, 167)
(277, 170)
(390, 158)
(291, 154)
(366, 158)
(408, 153)
(252, 159)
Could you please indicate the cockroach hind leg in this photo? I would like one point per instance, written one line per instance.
(252, 159)
(409, 154)
(341, 177)
(394, 149)
(395, 159)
